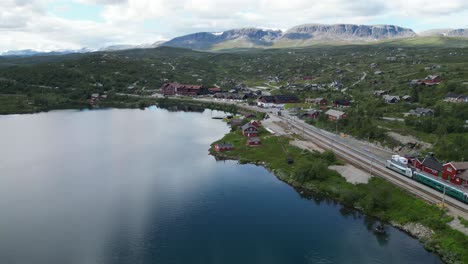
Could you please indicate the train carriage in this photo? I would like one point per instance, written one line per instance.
(399, 164)
(438, 185)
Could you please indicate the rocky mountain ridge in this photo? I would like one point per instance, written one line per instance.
(301, 35)
(297, 36)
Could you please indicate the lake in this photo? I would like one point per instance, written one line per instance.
(138, 186)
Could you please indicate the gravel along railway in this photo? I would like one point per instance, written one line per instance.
(368, 161)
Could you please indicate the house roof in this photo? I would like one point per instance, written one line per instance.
(431, 162)
(454, 96)
(224, 145)
(248, 125)
(432, 77)
(334, 113)
(460, 165)
(267, 98)
(286, 97)
(311, 112)
(253, 139)
(236, 121)
(379, 92)
(463, 175)
(280, 98)
(391, 97)
(420, 111)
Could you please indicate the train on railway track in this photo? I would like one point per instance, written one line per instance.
(400, 165)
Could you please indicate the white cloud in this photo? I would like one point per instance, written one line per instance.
(31, 23)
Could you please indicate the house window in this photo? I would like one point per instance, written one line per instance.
(449, 169)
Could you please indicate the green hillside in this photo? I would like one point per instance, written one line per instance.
(447, 42)
(56, 82)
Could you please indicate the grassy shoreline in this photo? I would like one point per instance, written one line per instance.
(21, 105)
(378, 198)
(310, 172)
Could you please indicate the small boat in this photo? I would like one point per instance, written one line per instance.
(217, 117)
(380, 229)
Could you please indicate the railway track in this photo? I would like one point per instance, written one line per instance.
(368, 162)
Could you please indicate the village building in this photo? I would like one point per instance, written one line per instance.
(343, 103)
(407, 98)
(431, 165)
(336, 84)
(391, 99)
(214, 90)
(250, 115)
(276, 100)
(221, 147)
(456, 98)
(236, 122)
(456, 172)
(380, 93)
(431, 80)
(335, 114)
(249, 130)
(314, 114)
(254, 141)
(255, 123)
(171, 89)
(414, 162)
(318, 101)
(419, 112)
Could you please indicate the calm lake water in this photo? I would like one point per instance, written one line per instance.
(134, 186)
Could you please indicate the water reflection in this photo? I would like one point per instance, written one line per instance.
(132, 186)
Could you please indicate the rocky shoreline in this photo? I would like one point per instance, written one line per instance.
(424, 234)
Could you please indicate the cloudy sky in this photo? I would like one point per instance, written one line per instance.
(73, 24)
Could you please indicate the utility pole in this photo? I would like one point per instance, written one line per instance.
(372, 155)
(443, 198)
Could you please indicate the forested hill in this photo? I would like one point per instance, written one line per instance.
(48, 82)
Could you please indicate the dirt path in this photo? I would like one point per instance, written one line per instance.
(364, 75)
(457, 225)
(307, 145)
(352, 174)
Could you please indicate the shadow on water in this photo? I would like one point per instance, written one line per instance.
(374, 225)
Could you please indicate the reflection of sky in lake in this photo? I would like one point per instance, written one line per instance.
(133, 186)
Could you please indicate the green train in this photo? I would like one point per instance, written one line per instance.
(438, 185)
(399, 164)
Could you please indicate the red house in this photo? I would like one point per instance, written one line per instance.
(456, 172)
(249, 130)
(182, 89)
(415, 162)
(431, 80)
(335, 114)
(168, 89)
(214, 90)
(431, 165)
(314, 114)
(220, 147)
(255, 123)
(253, 141)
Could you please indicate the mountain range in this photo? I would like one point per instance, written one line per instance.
(298, 36)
